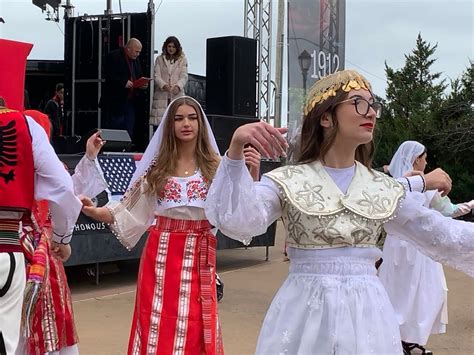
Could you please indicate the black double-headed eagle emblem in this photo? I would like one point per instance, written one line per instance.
(8, 151)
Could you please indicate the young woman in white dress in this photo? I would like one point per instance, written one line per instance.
(333, 207)
(415, 283)
(176, 306)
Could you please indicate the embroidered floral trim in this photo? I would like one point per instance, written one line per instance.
(171, 192)
(196, 189)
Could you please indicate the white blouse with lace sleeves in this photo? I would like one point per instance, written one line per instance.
(88, 178)
(443, 239)
(132, 216)
(239, 207)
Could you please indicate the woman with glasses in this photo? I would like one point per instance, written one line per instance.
(415, 283)
(333, 207)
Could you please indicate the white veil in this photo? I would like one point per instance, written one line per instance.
(403, 159)
(153, 148)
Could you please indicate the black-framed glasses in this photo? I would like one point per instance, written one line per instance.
(362, 106)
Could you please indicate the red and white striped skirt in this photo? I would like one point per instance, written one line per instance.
(53, 322)
(176, 307)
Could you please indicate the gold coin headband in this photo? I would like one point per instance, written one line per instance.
(326, 87)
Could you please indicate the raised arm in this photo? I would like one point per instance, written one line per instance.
(443, 239)
(88, 177)
(447, 208)
(238, 206)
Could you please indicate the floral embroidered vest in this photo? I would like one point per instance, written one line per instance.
(317, 214)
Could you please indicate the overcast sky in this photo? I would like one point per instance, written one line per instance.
(376, 30)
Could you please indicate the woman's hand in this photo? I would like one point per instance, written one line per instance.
(252, 160)
(166, 87)
(101, 214)
(94, 145)
(61, 251)
(268, 140)
(175, 90)
(439, 180)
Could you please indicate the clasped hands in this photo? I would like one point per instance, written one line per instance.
(172, 89)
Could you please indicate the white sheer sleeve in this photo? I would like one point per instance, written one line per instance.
(88, 178)
(443, 239)
(238, 206)
(133, 215)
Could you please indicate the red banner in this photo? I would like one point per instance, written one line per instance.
(12, 72)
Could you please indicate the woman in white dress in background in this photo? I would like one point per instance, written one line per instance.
(415, 283)
(333, 207)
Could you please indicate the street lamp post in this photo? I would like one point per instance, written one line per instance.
(305, 63)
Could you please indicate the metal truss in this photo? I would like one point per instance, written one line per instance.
(258, 25)
(329, 26)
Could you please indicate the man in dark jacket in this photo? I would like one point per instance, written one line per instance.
(121, 69)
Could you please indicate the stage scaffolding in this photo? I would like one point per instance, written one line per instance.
(258, 25)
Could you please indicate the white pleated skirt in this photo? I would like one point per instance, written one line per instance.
(330, 305)
(417, 289)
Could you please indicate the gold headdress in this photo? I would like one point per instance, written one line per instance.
(326, 87)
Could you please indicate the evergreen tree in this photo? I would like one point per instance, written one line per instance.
(417, 108)
(413, 90)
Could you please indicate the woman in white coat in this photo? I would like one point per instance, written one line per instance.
(171, 75)
(414, 282)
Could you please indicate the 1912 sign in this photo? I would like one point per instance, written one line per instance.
(324, 64)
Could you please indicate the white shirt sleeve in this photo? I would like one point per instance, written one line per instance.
(412, 183)
(88, 178)
(54, 184)
(443, 239)
(238, 206)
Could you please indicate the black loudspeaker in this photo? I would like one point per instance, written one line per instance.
(116, 140)
(231, 76)
(68, 145)
(224, 127)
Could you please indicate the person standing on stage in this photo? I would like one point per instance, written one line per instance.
(119, 96)
(29, 170)
(171, 76)
(55, 110)
(176, 306)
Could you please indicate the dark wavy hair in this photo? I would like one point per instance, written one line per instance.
(179, 49)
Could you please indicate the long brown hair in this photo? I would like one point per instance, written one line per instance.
(177, 44)
(207, 159)
(314, 145)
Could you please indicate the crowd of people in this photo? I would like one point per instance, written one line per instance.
(333, 205)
